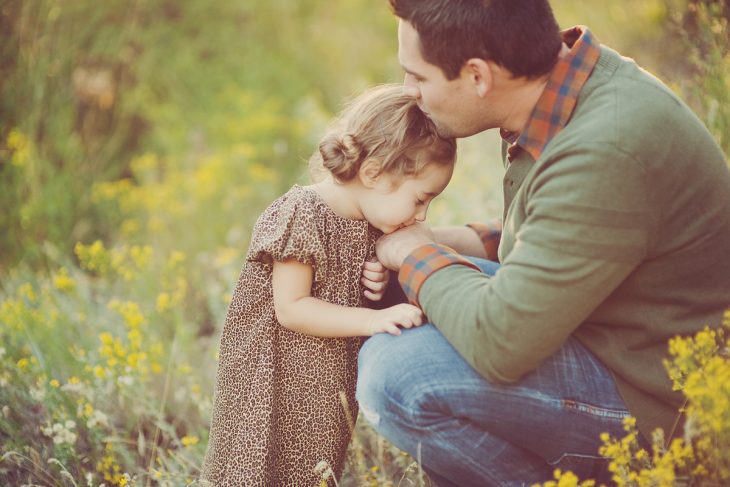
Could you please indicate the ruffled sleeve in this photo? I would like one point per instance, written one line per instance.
(288, 229)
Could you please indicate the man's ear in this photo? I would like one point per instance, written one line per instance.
(479, 72)
(369, 172)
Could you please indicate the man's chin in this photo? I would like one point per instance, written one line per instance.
(443, 131)
(450, 133)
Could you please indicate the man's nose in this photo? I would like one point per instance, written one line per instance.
(410, 88)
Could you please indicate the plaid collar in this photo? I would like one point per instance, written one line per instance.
(556, 104)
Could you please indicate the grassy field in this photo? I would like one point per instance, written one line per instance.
(139, 140)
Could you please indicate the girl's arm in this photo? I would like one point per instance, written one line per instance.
(297, 310)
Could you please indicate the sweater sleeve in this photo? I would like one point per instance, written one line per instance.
(586, 228)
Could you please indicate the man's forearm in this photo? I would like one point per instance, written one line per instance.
(462, 239)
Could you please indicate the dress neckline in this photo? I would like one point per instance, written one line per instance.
(310, 189)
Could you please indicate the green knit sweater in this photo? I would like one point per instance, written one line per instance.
(619, 235)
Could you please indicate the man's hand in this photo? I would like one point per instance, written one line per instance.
(393, 248)
(375, 279)
(387, 320)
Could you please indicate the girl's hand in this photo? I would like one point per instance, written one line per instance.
(387, 320)
(375, 279)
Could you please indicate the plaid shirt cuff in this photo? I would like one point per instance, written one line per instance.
(490, 233)
(423, 262)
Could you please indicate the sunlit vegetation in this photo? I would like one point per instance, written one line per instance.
(139, 140)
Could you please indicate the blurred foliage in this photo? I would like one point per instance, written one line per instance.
(87, 86)
(140, 139)
(703, 26)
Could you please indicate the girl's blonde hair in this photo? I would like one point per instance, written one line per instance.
(385, 125)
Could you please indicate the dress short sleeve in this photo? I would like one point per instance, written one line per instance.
(288, 229)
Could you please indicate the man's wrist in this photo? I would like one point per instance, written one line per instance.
(424, 261)
(408, 249)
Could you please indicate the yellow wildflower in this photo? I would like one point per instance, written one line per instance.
(141, 256)
(106, 338)
(20, 144)
(99, 371)
(189, 440)
(163, 302)
(119, 263)
(93, 257)
(130, 311)
(63, 282)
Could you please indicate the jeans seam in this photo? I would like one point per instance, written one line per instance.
(577, 455)
(592, 410)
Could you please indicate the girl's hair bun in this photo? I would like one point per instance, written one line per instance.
(341, 155)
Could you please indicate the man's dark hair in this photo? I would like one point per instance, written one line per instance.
(519, 35)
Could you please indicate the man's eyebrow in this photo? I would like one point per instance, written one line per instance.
(410, 71)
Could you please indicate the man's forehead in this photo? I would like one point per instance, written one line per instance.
(409, 53)
(407, 34)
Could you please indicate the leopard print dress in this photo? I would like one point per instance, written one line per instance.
(284, 402)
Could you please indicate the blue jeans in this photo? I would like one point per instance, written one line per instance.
(417, 391)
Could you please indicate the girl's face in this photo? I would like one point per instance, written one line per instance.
(395, 202)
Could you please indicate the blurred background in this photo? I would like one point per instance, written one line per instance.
(139, 141)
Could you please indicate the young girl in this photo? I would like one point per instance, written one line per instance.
(284, 400)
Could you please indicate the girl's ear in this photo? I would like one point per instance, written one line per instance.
(369, 172)
(479, 72)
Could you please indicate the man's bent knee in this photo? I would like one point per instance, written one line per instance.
(391, 376)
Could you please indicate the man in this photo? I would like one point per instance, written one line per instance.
(615, 235)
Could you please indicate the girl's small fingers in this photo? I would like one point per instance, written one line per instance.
(376, 287)
(372, 296)
(374, 276)
(375, 266)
